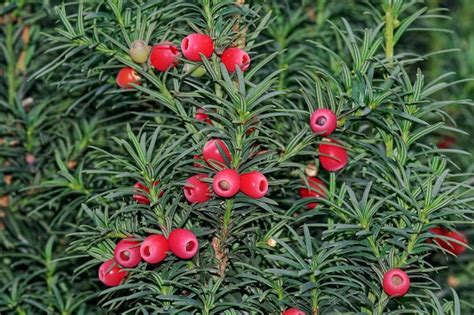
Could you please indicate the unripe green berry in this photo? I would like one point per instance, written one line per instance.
(139, 51)
(195, 71)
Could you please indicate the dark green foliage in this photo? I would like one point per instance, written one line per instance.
(92, 141)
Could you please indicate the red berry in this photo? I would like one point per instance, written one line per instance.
(446, 142)
(30, 159)
(202, 116)
(126, 77)
(139, 51)
(111, 274)
(396, 282)
(211, 153)
(449, 245)
(164, 56)
(127, 253)
(254, 184)
(141, 198)
(332, 157)
(195, 44)
(226, 183)
(198, 159)
(293, 311)
(183, 243)
(195, 190)
(235, 57)
(317, 189)
(455, 248)
(323, 121)
(253, 122)
(436, 231)
(154, 249)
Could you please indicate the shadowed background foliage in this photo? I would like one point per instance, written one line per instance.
(71, 145)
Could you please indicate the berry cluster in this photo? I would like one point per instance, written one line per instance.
(165, 56)
(226, 182)
(396, 282)
(128, 253)
(332, 155)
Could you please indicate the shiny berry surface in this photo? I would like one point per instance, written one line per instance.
(164, 56)
(396, 282)
(226, 183)
(195, 190)
(195, 44)
(198, 163)
(323, 121)
(154, 249)
(437, 231)
(201, 115)
(141, 191)
(452, 246)
(316, 189)
(111, 274)
(332, 155)
(126, 77)
(212, 155)
(254, 184)
(293, 311)
(235, 57)
(183, 243)
(127, 253)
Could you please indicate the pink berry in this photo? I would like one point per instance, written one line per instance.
(195, 44)
(317, 189)
(323, 121)
(127, 253)
(154, 249)
(202, 116)
(183, 243)
(254, 184)
(212, 155)
(226, 183)
(235, 57)
(195, 190)
(396, 282)
(293, 311)
(197, 163)
(164, 56)
(111, 274)
(140, 188)
(332, 155)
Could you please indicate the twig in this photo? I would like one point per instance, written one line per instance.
(241, 37)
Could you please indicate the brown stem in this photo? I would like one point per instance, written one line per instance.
(240, 41)
(221, 255)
